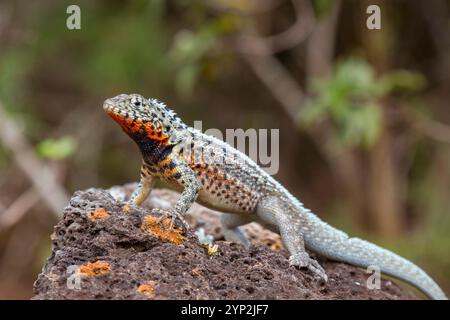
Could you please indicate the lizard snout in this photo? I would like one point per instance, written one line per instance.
(114, 102)
(108, 105)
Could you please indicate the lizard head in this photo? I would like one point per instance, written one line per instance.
(147, 121)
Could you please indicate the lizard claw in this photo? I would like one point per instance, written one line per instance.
(172, 214)
(303, 260)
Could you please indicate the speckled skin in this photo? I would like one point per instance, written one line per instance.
(210, 171)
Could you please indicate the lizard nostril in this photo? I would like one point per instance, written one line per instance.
(108, 104)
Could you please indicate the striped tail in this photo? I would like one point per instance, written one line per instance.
(332, 243)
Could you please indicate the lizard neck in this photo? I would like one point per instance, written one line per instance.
(153, 151)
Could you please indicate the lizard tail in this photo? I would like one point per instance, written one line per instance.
(332, 243)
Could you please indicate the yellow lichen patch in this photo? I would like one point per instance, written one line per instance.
(98, 214)
(126, 208)
(147, 289)
(276, 245)
(162, 229)
(96, 268)
(213, 249)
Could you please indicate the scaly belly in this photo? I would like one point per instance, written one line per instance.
(225, 192)
(231, 204)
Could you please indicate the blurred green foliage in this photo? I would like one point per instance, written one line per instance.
(351, 99)
(57, 149)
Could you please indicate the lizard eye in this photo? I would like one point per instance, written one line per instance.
(137, 101)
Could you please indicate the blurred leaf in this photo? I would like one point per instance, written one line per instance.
(228, 23)
(314, 111)
(186, 78)
(321, 7)
(354, 77)
(189, 47)
(57, 149)
(403, 80)
(243, 6)
(363, 126)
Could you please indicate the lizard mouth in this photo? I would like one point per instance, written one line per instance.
(111, 105)
(108, 106)
(111, 108)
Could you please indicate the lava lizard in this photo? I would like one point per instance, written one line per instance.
(215, 174)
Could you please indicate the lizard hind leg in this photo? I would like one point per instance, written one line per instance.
(272, 211)
(231, 228)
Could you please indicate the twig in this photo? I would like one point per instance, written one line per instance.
(42, 177)
(288, 39)
(18, 208)
(279, 82)
(432, 129)
(320, 45)
(425, 126)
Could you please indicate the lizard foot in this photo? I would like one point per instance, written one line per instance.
(303, 260)
(172, 214)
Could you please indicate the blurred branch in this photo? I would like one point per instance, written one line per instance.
(18, 208)
(270, 70)
(431, 129)
(285, 88)
(258, 53)
(304, 25)
(320, 46)
(279, 82)
(42, 177)
(425, 126)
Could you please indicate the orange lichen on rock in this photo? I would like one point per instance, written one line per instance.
(162, 229)
(147, 289)
(98, 214)
(96, 268)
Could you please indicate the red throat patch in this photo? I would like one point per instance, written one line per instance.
(131, 126)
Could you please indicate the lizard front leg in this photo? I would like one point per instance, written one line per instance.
(272, 210)
(144, 188)
(177, 171)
